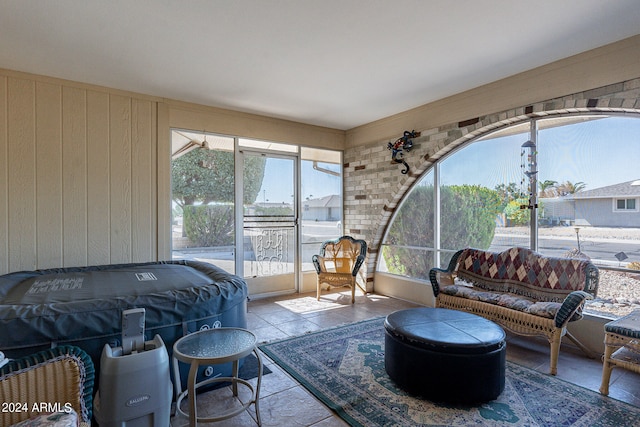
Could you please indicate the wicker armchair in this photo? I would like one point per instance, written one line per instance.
(339, 262)
(53, 386)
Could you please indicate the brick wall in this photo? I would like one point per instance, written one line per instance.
(373, 186)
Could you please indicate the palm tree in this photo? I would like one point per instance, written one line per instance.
(548, 188)
(568, 187)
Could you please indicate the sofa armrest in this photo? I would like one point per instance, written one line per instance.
(572, 303)
(316, 263)
(433, 277)
(592, 279)
(357, 265)
(433, 273)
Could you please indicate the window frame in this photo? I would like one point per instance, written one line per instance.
(626, 201)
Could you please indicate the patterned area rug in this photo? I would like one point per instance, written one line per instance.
(344, 367)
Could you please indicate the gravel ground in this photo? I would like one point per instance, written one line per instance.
(585, 232)
(618, 292)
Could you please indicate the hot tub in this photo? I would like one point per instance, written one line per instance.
(83, 306)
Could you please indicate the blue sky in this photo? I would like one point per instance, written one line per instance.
(598, 153)
(277, 185)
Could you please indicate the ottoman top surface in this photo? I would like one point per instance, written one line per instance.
(448, 331)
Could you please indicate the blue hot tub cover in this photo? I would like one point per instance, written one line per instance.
(83, 305)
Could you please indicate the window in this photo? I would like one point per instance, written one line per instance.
(583, 164)
(321, 186)
(625, 205)
(202, 192)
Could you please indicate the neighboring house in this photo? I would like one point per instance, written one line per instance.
(615, 205)
(557, 210)
(326, 208)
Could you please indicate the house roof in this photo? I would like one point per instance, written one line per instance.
(623, 189)
(332, 201)
(333, 63)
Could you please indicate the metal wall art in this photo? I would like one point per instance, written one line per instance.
(401, 145)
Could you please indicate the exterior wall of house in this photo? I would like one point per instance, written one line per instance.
(316, 214)
(557, 210)
(600, 213)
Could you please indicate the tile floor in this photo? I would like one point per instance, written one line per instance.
(284, 402)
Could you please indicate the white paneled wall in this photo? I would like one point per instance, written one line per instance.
(78, 173)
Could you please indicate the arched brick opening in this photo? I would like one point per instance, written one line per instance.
(469, 130)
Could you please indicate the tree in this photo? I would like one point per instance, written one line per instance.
(548, 188)
(569, 187)
(468, 215)
(516, 214)
(203, 187)
(205, 176)
(507, 192)
(209, 225)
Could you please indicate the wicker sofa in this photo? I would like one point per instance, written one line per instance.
(524, 291)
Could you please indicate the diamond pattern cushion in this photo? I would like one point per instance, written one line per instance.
(523, 272)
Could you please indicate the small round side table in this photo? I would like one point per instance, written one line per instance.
(212, 347)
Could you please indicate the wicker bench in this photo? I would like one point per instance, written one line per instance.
(622, 347)
(525, 292)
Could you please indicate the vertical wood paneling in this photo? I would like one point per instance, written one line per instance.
(142, 180)
(21, 174)
(78, 175)
(4, 177)
(74, 176)
(49, 175)
(98, 240)
(120, 177)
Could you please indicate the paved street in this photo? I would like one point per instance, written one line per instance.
(600, 250)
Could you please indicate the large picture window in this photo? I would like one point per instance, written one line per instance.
(480, 196)
(202, 191)
(284, 187)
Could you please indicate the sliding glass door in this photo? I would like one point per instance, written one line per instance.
(237, 203)
(269, 257)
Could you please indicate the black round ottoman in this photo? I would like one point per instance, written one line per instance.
(445, 355)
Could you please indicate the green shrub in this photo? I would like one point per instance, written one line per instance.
(209, 225)
(468, 214)
(516, 214)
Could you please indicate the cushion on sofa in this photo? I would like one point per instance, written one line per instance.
(56, 419)
(547, 309)
(504, 299)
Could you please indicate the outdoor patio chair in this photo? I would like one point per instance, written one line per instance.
(339, 262)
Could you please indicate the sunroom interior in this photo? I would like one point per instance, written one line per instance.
(94, 173)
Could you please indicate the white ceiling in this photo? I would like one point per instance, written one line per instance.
(335, 63)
